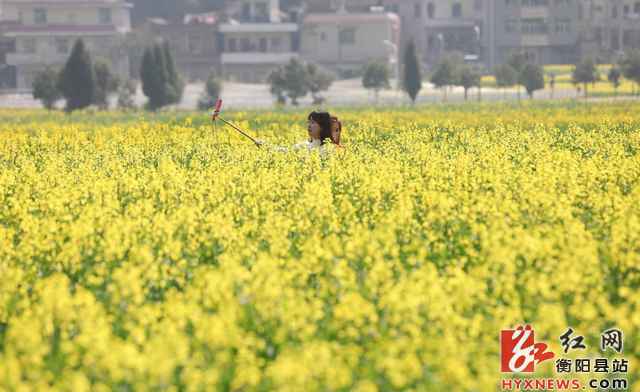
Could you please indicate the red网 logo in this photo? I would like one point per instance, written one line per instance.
(519, 351)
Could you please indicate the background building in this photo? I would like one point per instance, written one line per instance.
(45, 31)
(194, 43)
(7, 45)
(255, 38)
(344, 42)
(546, 31)
(608, 27)
(244, 40)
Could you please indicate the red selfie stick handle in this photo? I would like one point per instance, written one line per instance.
(216, 110)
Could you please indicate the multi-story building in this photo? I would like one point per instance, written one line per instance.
(560, 31)
(545, 30)
(194, 43)
(256, 38)
(7, 45)
(437, 27)
(45, 31)
(625, 25)
(344, 42)
(608, 27)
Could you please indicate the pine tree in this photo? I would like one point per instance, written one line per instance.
(77, 79)
(412, 74)
(150, 80)
(153, 76)
(165, 87)
(175, 82)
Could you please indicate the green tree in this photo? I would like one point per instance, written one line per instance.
(412, 74)
(152, 83)
(106, 84)
(166, 88)
(444, 74)
(532, 78)
(159, 83)
(506, 76)
(376, 77)
(45, 88)
(175, 82)
(77, 80)
(518, 61)
(318, 80)
(212, 91)
(630, 66)
(467, 78)
(614, 78)
(585, 72)
(277, 85)
(295, 80)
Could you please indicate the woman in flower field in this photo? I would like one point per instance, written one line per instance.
(139, 253)
(320, 127)
(336, 131)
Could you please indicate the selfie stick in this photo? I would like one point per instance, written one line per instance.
(216, 116)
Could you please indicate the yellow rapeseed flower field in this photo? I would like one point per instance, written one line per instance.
(148, 252)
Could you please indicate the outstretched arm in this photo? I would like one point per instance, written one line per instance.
(261, 143)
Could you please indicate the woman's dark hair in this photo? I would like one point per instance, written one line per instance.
(324, 120)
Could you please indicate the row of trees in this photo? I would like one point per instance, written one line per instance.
(452, 71)
(519, 71)
(83, 82)
(586, 72)
(296, 79)
(376, 74)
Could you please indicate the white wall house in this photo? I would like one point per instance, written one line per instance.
(45, 31)
(255, 40)
(344, 42)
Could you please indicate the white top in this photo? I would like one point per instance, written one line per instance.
(309, 145)
(315, 144)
